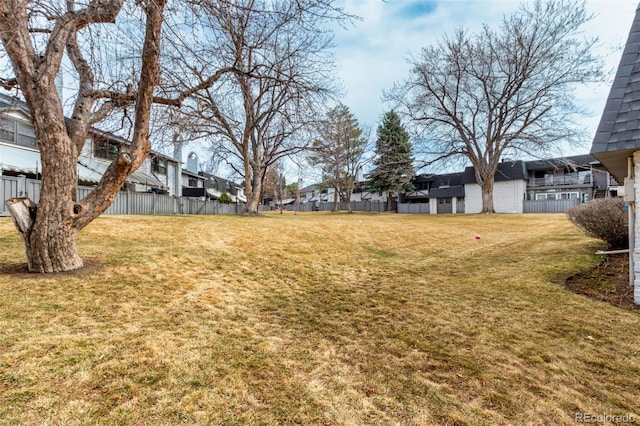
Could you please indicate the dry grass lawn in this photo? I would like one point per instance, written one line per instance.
(315, 319)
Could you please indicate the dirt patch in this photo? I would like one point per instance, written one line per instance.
(608, 281)
(22, 271)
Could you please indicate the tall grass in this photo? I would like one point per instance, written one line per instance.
(315, 319)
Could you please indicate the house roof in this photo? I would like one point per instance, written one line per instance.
(21, 160)
(309, 188)
(447, 192)
(91, 170)
(424, 178)
(618, 134)
(561, 162)
(219, 180)
(507, 170)
(193, 174)
(448, 179)
(11, 103)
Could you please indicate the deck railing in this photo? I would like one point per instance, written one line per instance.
(564, 180)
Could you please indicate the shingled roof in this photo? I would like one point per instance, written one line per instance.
(572, 162)
(507, 170)
(618, 134)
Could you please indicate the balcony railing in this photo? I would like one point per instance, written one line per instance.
(564, 180)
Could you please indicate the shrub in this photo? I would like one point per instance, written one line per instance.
(225, 198)
(603, 218)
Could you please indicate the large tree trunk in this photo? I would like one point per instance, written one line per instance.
(50, 242)
(487, 195)
(388, 201)
(253, 197)
(253, 202)
(49, 230)
(347, 197)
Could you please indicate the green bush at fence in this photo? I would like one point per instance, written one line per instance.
(225, 198)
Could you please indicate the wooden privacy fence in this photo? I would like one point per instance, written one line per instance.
(144, 203)
(306, 207)
(413, 208)
(540, 206)
(548, 206)
(133, 203)
(359, 206)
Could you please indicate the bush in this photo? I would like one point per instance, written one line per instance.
(603, 218)
(225, 198)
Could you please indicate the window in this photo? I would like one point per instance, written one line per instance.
(7, 130)
(159, 165)
(557, 196)
(102, 148)
(193, 182)
(545, 196)
(568, 196)
(27, 135)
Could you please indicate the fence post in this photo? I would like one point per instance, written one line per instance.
(22, 186)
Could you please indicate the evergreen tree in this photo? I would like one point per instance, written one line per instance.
(393, 170)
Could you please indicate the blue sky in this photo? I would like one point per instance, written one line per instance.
(372, 54)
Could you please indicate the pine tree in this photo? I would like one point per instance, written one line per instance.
(393, 170)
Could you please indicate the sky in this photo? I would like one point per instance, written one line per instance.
(372, 53)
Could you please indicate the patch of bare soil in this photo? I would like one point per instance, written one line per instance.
(608, 281)
(22, 271)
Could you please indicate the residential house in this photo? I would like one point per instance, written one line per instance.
(212, 187)
(191, 180)
(445, 193)
(315, 194)
(578, 178)
(216, 186)
(509, 188)
(158, 173)
(20, 156)
(362, 192)
(422, 184)
(460, 192)
(616, 143)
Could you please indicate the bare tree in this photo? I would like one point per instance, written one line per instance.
(274, 183)
(339, 150)
(281, 72)
(35, 36)
(500, 92)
